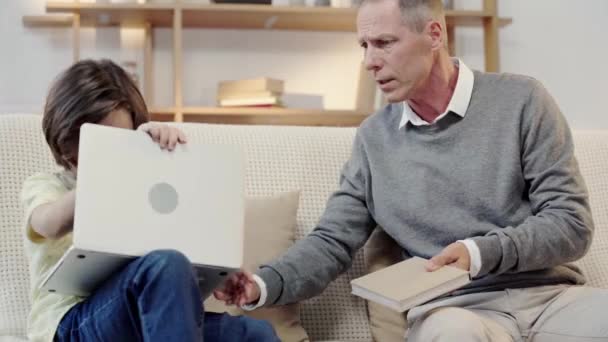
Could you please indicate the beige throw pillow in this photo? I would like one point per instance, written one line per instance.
(270, 225)
(381, 251)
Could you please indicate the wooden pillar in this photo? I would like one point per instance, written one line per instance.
(177, 62)
(490, 32)
(76, 37)
(149, 65)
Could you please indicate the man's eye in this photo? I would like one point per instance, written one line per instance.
(383, 43)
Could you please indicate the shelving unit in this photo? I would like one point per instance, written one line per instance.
(186, 15)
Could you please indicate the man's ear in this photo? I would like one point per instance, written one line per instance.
(436, 33)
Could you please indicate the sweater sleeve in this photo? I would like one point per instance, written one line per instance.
(312, 263)
(560, 227)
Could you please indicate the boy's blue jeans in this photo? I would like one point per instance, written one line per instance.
(155, 298)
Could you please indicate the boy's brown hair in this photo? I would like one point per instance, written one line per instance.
(86, 93)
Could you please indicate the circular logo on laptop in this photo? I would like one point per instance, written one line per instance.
(163, 198)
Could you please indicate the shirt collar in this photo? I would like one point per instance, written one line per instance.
(459, 103)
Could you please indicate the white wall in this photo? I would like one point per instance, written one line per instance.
(560, 42)
(563, 43)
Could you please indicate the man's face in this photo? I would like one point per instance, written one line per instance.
(399, 59)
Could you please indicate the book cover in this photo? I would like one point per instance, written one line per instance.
(407, 284)
(226, 95)
(255, 101)
(255, 84)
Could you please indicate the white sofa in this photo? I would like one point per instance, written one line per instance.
(280, 158)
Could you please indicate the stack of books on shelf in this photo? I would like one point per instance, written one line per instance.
(257, 92)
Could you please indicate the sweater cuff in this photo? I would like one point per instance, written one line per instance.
(490, 250)
(274, 284)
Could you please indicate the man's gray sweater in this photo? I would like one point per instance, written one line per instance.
(503, 175)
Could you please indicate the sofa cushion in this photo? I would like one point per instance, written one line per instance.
(591, 150)
(23, 152)
(270, 224)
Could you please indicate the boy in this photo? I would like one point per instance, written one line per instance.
(156, 296)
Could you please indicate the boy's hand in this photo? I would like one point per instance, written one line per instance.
(166, 136)
(239, 289)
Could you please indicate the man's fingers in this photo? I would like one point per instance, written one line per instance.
(220, 295)
(460, 263)
(247, 294)
(233, 292)
(242, 290)
(437, 262)
(238, 289)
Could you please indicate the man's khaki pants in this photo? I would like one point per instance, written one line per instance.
(541, 314)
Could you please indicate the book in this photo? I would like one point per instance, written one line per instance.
(254, 101)
(226, 95)
(407, 284)
(248, 85)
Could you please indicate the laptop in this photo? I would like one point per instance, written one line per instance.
(133, 198)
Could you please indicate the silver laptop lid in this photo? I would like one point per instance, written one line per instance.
(132, 197)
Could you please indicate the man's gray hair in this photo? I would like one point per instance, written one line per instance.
(417, 13)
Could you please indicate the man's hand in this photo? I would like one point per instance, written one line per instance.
(455, 254)
(166, 136)
(239, 289)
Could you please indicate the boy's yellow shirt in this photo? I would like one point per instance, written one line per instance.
(47, 308)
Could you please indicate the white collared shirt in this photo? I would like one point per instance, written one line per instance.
(459, 104)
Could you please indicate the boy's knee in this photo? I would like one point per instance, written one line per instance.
(167, 256)
(168, 261)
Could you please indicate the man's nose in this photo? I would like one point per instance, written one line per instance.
(372, 61)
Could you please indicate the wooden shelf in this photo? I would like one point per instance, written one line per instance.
(234, 16)
(270, 17)
(178, 16)
(263, 116)
(113, 14)
(471, 18)
(53, 20)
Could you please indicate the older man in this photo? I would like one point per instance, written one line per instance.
(466, 168)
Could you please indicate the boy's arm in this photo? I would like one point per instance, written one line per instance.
(53, 220)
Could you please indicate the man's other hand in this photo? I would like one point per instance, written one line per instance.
(455, 254)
